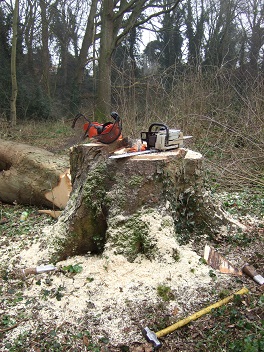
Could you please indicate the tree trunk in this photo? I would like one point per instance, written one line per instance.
(125, 205)
(88, 39)
(86, 43)
(104, 69)
(13, 115)
(30, 175)
(29, 35)
(45, 55)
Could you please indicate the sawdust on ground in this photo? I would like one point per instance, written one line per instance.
(107, 288)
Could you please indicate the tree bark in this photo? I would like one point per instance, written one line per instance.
(30, 175)
(106, 50)
(13, 114)
(124, 205)
(29, 34)
(45, 55)
(86, 43)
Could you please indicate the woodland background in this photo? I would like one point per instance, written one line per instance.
(195, 65)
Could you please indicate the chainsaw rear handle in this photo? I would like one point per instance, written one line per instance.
(162, 126)
(77, 117)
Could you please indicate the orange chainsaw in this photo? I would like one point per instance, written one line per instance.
(105, 133)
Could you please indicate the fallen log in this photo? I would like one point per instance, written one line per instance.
(30, 175)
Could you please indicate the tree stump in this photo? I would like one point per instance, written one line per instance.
(128, 206)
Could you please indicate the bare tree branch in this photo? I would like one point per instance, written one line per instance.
(133, 22)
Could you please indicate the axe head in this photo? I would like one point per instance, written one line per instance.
(151, 337)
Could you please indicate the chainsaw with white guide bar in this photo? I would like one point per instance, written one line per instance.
(158, 138)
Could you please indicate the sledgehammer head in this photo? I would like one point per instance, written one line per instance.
(151, 337)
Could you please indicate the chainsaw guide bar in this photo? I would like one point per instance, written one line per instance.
(127, 155)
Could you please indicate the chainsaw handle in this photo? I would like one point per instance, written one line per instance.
(156, 124)
(77, 117)
(159, 125)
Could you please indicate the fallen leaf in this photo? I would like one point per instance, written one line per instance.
(85, 340)
(175, 311)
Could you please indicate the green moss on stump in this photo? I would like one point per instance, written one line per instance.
(95, 188)
(131, 238)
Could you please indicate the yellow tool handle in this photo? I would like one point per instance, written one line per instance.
(197, 315)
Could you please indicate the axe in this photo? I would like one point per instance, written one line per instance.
(153, 337)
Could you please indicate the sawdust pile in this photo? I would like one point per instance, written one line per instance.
(108, 289)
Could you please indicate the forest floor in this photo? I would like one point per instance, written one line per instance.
(101, 303)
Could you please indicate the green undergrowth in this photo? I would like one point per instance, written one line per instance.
(235, 329)
(249, 202)
(165, 292)
(56, 340)
(73, 269)
(11, 224)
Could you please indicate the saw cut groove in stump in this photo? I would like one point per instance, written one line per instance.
(121, 205)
